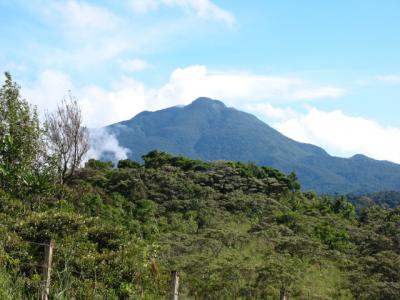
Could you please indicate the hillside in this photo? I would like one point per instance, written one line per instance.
(208, 130)
(233, 230)
(389, 199)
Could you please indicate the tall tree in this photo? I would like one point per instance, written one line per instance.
(68, 139)
(21, 143)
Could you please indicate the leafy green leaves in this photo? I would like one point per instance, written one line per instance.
(21, 144)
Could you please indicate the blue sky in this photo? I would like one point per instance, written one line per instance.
(323, 72)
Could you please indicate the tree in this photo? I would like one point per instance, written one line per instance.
(21, 141)
(293, 183)
(68, 139)
(128, 164)
(344, 207)
(280, 273)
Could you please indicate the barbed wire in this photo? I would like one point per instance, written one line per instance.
(36, 243)
(25, 241)
(31, 264)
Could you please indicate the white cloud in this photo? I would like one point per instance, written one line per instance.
(195, 81)
(101, 107)
(86, 35)
(133, 65)
(102, 142)
(127, 96)
(390, 79)
(48, 90)
(269, 112)
(203, 8)
(79, 16)
(343, 135)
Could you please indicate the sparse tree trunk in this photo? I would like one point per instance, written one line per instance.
(67, 138)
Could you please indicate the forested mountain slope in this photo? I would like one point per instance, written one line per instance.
(233, 230)
(389, 199)
(208, 130)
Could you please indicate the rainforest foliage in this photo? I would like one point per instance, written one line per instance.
(233, 230)
(389, 199)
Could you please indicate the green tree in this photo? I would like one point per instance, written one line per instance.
(344, 207)
(21, 143)
(293, 183)
(279, 275)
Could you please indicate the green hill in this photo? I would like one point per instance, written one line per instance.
(233, 230)
(208, 130)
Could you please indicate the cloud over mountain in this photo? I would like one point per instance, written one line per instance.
(263, 95)
(128, 96)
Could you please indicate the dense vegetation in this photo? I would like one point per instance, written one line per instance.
(389, 199)
(233, 230)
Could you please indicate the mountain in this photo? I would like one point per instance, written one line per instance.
(208, 130)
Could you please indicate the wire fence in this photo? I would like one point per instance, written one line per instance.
(48, 267)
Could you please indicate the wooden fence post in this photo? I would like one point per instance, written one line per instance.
(175, 285)
(283, 295)
(48, 258)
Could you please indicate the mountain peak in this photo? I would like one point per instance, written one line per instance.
(207, 102)
(360, 157)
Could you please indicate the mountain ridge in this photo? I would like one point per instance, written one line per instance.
(209, 130)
